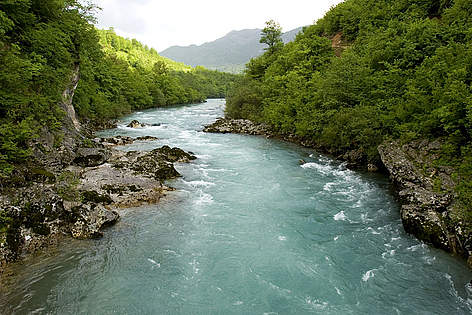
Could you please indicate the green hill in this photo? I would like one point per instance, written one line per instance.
(135, 53)
(51, 53)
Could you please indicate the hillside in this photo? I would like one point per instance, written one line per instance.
(134, 52)
(228, 53)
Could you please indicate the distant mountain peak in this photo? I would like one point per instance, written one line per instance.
(229, 53)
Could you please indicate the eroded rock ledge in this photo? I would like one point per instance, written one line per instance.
(427, 194)
(47, 202)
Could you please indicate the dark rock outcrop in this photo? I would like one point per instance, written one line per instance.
(135, 124)
(89, 157)
(427, 195)
(90, 219)
(38, 215)
(243, 126)
(121, 140)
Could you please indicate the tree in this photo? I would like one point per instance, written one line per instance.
(271, 36)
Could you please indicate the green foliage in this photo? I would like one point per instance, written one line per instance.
(126, 75)
(406, 73)
(134, 53)
(43, 42)
(272, 36)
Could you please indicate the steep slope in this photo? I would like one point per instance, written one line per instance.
(228, 53)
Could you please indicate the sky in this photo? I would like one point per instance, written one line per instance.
(161, 24)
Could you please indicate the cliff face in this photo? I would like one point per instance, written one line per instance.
(429, 209)
(68, 96)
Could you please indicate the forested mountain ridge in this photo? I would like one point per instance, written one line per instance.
(402, 78)
(228, 53)
(135, 53)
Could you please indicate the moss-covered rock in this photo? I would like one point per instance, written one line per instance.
(95, 197)
(90, 157)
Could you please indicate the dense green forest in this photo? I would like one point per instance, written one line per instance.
(42, 43)
(134, 52)
(400, 69)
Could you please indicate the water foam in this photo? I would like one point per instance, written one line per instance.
(340, 216)
(204, 198)
(323, 169)
(369, 274)
(199, 183)
(155, 263)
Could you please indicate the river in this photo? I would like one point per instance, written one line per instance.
(248, 231)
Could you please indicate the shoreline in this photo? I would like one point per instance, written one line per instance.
(46, 201)
(427, 212)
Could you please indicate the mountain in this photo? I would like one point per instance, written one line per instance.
(229, 53)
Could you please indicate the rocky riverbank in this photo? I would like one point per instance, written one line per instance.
(75, 191)
(355, 159)
(426, 191)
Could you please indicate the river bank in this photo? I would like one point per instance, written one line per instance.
(248, 230)
(75, 191)
(426, 192)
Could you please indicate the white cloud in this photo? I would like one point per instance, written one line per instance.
(161, 24)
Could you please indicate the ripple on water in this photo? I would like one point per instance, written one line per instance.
(248, 231)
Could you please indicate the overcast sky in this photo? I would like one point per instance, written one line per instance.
(161, 24)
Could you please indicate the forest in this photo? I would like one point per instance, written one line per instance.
(367, 72)
(42, 42)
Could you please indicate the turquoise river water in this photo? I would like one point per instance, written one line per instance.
(248, 231)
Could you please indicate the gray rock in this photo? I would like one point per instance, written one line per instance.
(91, 219)
(244, 126)
(427, 195)
(90, 157)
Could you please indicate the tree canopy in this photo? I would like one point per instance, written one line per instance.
(271, 35)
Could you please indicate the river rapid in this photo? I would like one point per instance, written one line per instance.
(249, 230)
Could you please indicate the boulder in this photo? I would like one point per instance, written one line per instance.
(243, 126)
(90, 157)
(91, 218)
(173, 154)
(146, 138)
(135, 124)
